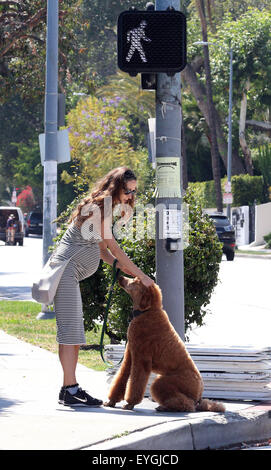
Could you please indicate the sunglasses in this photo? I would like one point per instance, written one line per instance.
(130, 191)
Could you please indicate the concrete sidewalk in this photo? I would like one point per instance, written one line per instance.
(32, 419)
(250, 251)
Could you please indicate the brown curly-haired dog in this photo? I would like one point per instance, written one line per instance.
(154, 345)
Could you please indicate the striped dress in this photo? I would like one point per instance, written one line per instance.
(68, 301)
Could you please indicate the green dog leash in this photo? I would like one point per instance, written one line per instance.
(115, 277)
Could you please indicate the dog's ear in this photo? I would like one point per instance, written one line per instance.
(146, 299)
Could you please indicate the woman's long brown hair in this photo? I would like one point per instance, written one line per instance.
(110, 185)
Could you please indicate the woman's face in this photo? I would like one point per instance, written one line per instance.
(126, 195)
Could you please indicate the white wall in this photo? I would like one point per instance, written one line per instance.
(262, 223)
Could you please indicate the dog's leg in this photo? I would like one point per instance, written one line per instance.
(179, 402)
(140, 372)
(164, 391)
(118, 387)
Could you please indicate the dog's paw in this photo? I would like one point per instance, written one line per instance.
(109, 403)
(161, 408)
(128, 406)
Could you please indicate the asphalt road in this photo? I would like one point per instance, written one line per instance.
(19, 265)
(240, 307)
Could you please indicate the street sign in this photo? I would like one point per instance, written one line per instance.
(228, 187)
(63, 147)
(152, 41)
(227, 198)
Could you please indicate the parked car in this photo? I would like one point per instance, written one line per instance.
(226, 234)
(34, 223)
(5, 212)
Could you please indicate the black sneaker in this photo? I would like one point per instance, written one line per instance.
(61, 395)
(80, 398)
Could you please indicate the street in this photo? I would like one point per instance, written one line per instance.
(19, 266)
(240, 310)
(240, 305)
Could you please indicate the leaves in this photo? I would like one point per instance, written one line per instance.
(98, 135)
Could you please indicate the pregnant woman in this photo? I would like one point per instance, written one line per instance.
(88, 239)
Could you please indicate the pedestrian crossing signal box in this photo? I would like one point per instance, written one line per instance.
(151, 41)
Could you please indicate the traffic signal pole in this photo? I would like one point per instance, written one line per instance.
(169, 260)
(51, 106)
(50, 160)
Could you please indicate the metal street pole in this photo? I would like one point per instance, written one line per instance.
(50, 118)
(51, 98)
(169, 260)
(229, 160)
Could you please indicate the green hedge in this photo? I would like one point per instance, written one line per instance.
(246, 190)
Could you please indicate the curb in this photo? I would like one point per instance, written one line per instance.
(248, 255)
(213, 432)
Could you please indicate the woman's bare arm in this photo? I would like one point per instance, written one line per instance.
(108, 258)
(124, 260)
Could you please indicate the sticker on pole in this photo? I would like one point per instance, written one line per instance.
(172, 223)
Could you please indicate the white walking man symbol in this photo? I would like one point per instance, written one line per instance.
(135, 36)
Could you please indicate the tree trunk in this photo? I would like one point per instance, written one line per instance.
(199, 92)
(242, 127)
(210, 104)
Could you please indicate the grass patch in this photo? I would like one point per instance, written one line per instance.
(18, 318)
(252, 252)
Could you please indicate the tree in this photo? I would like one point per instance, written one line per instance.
(189, 75)
(98, 36)
(27, 169)
(250, 39)
(136, 104)
(20, 126)
(214, 146)
(249, 36)
(23, 41)
(25, 200)
(99, 137)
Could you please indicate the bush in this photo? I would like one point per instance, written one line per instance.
(205, 192)
(267, 239)
(201, 267)
(245, 189)
(264, 163)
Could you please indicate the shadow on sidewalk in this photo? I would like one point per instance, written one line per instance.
(6, 404)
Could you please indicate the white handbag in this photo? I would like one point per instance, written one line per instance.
(44, 288)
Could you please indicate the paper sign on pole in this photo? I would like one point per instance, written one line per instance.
(168, 176)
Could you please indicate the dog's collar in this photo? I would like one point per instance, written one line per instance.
(136, 313)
